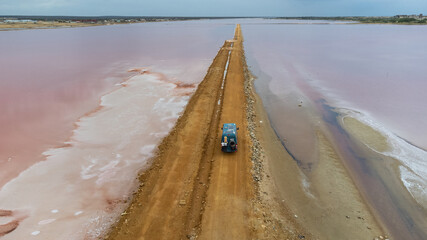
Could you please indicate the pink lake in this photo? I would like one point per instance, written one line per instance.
(82, 110)
(372, 72)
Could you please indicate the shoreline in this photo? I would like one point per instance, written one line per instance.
(273, 214)
(51, 25)
(301, 208)
(55, 24)
(322, 200)
(401, 208)
(17, 26)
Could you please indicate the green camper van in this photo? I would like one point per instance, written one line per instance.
(229, 137)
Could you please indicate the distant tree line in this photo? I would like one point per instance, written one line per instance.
(394, 20)
(400, 19)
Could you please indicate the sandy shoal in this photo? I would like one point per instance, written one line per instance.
(322, 204)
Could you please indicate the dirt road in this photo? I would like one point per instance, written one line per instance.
(193, 189)
(228, 210)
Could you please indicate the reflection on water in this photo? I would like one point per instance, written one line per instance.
(121, 88)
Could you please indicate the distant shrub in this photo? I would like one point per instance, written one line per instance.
(406, 20)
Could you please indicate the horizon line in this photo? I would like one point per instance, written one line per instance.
(153, 16)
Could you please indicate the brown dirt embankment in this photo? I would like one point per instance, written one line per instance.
(229, 210)
(193, 189)
(235, 208)
(170, 201)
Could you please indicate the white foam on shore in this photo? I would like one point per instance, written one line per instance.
(306, 186)
(96, 173)
(413, 171)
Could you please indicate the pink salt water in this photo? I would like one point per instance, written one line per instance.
(82, 111)
(312, 73)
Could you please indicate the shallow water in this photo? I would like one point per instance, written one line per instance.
(84, 185)
(314, 73)
(82, 112)
(378, 69)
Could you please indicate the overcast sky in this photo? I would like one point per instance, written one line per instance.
(213, 7)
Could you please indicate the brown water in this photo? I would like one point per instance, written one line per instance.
(314, 73)
(82, 111)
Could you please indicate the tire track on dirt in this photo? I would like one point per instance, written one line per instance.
(229, 210)
(169, 202)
